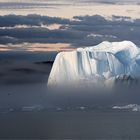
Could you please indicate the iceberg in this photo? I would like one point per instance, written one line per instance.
(132, 107)
(95, 65)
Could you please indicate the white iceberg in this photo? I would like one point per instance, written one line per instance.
(132, 107)
(32, 108)
(95, 64)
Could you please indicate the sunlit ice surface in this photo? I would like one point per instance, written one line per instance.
(107, 63)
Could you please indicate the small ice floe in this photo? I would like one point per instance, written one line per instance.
(58, 109)
(6, 110)
(81, 108)
(32, 108)
(132, 107)
(11, 109)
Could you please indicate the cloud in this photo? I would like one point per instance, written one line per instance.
(36, 47)
(31, 4)
(81, 31)
(36, 20)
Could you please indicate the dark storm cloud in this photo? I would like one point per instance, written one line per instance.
(39, 35)
(79, 32)
(33, 20)
(99, 1)
(111, 1)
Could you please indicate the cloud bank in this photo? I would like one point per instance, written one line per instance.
(24, 4)
(81, 31)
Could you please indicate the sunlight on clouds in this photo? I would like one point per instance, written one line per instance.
(36, 47)
(49, 47)
(70, 8)
(52, 26)
(70, 11)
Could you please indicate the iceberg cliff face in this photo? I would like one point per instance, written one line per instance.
(93, 64)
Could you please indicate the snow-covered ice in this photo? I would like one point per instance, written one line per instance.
(96, 64)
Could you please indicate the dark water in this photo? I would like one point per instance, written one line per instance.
(29, 110)
(70, 125)
(66, 116)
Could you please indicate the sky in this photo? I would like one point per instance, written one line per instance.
(70, 8)
(64, 25)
